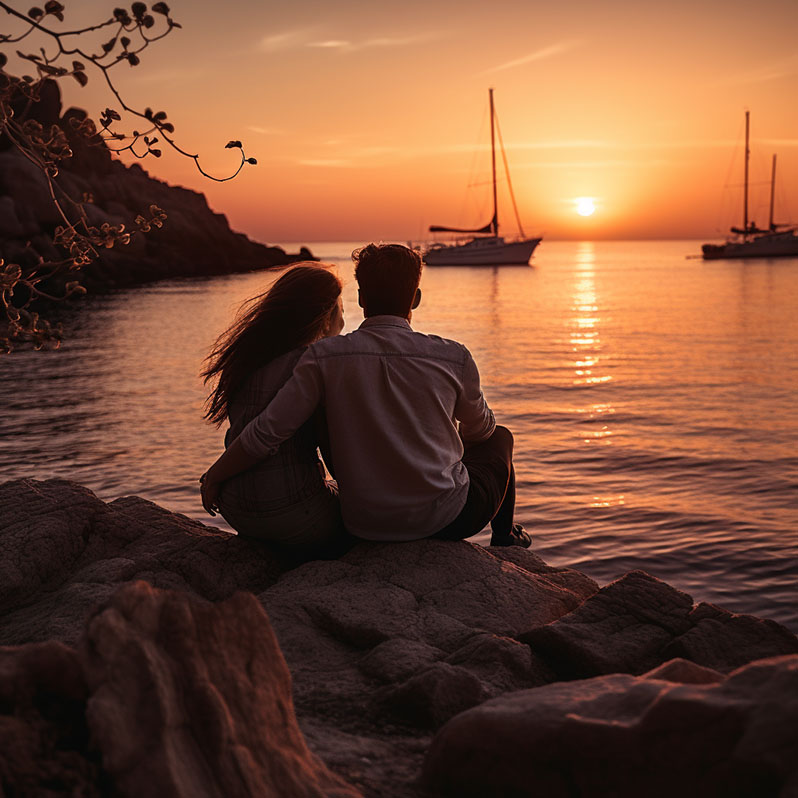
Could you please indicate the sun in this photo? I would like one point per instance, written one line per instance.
(585, 206)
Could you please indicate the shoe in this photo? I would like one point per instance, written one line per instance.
(518, 536)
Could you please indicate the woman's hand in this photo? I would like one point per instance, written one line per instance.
(232, 461)
(209, 491)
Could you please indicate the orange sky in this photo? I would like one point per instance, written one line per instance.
(369, 119)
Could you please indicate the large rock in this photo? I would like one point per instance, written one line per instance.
(639, 622)
(43, 733)
(192, 699)
(416, 631)
(62, 551)
(724, 640)
(629, 736)
(385, 645)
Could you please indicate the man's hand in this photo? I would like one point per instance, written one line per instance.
(210, 495)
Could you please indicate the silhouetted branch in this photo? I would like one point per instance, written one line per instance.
(47, 146)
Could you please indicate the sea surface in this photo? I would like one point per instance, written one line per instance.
(652, 396)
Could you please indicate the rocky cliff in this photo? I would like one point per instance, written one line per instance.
(145, 653)
(194, 241)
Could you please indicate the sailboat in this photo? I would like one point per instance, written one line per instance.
(487, 248)
(750, 241)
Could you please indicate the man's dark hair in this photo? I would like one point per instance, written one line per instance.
(388, 276)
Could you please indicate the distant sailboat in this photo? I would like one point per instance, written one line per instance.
(749, 241)
(489, 248)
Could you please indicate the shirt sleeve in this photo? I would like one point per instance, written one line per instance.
(293, 404)
(471, 410)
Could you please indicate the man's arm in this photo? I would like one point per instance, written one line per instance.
(284, 415)
(471, 410)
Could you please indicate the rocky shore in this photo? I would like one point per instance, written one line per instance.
(146, 654)
(194, 241)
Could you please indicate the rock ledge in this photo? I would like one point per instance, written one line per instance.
(145, 648)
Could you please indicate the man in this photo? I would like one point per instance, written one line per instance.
(416, 449)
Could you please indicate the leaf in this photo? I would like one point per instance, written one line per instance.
(81, 77)
(133, 59)
(3, 60)
(76, 65)
(156, 153)
(161, 8)
(252, 161)
(55, 8)
(36, 13)
(125, 42)
(109, 45)
(160, 116)
(168, 127)
(148, 20)
(138, 9)
(231, 144)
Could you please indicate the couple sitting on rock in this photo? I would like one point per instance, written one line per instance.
(399, 417)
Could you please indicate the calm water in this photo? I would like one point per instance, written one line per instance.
(652, 398)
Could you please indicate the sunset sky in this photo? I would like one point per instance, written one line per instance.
(369, 119)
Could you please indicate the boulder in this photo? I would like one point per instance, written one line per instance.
(43, 732)
(724, 640)
(628, 736)
(62, 551)
(385, 645)
(388, 626)
(193, 699)
(639, 622)
(622, 628)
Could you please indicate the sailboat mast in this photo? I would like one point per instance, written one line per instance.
(745, 189)
(495, 221)
(771, 226)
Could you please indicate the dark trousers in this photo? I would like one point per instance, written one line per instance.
(491, 489)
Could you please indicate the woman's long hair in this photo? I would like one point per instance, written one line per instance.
(294, 312)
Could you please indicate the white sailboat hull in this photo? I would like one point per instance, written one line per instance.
(490, 251)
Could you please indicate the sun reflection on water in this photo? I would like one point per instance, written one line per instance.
(607, 501)
(585, 339)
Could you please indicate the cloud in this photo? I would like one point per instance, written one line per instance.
(285, 40)
(264, 131)
(539, 55)
(309, 37)
(331, 44)
(346, 46)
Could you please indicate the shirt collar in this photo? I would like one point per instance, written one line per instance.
(386, 321)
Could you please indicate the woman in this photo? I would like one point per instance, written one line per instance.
(284, 499)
